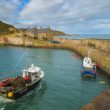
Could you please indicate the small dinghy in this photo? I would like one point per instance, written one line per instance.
(88, 68)
(14, 88)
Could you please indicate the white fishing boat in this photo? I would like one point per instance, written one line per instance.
(13, 88)
(16, 87)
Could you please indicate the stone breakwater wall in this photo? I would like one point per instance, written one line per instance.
(103, 45)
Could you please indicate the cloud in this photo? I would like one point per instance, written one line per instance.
(64, 14)
(41, 11)
(102, 26)
(58, 11)
(8, 10)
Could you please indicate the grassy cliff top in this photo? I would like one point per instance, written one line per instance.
(10, 29)
(6, 28)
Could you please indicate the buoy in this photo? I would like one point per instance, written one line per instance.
(75, 55)
(10, 94)
(102, 82)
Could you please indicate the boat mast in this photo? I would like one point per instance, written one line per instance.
(27, 51)
(28, 62)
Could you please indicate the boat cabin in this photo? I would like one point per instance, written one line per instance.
(87, 62)
(32, 73)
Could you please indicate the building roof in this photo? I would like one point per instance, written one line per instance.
(36, 31)
(44, 30)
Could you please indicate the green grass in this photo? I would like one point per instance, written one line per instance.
(6, 28)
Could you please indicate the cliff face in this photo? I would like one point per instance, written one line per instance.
(13, 39)
(2, 41)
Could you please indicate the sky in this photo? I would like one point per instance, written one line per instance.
(70, 16)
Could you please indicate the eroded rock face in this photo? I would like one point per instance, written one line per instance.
(13, 39)
(2, 40)
(19, 41)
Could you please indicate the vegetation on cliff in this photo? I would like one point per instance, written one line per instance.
(7, 28)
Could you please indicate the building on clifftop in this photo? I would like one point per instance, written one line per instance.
(42, 33)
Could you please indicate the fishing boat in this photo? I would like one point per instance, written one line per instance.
(88, 68)
(14, 88)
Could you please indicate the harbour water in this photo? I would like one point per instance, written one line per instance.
(62, 87)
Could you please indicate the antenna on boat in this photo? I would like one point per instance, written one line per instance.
(28, 61)
(27, 57)
(89, 52)
(27, 51)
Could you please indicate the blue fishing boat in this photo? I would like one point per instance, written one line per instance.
(88, 68)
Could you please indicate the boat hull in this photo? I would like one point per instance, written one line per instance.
(88, 73)
(23, 91)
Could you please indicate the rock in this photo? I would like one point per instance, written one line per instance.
(101, 102)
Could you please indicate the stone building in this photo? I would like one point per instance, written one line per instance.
(42, 33)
